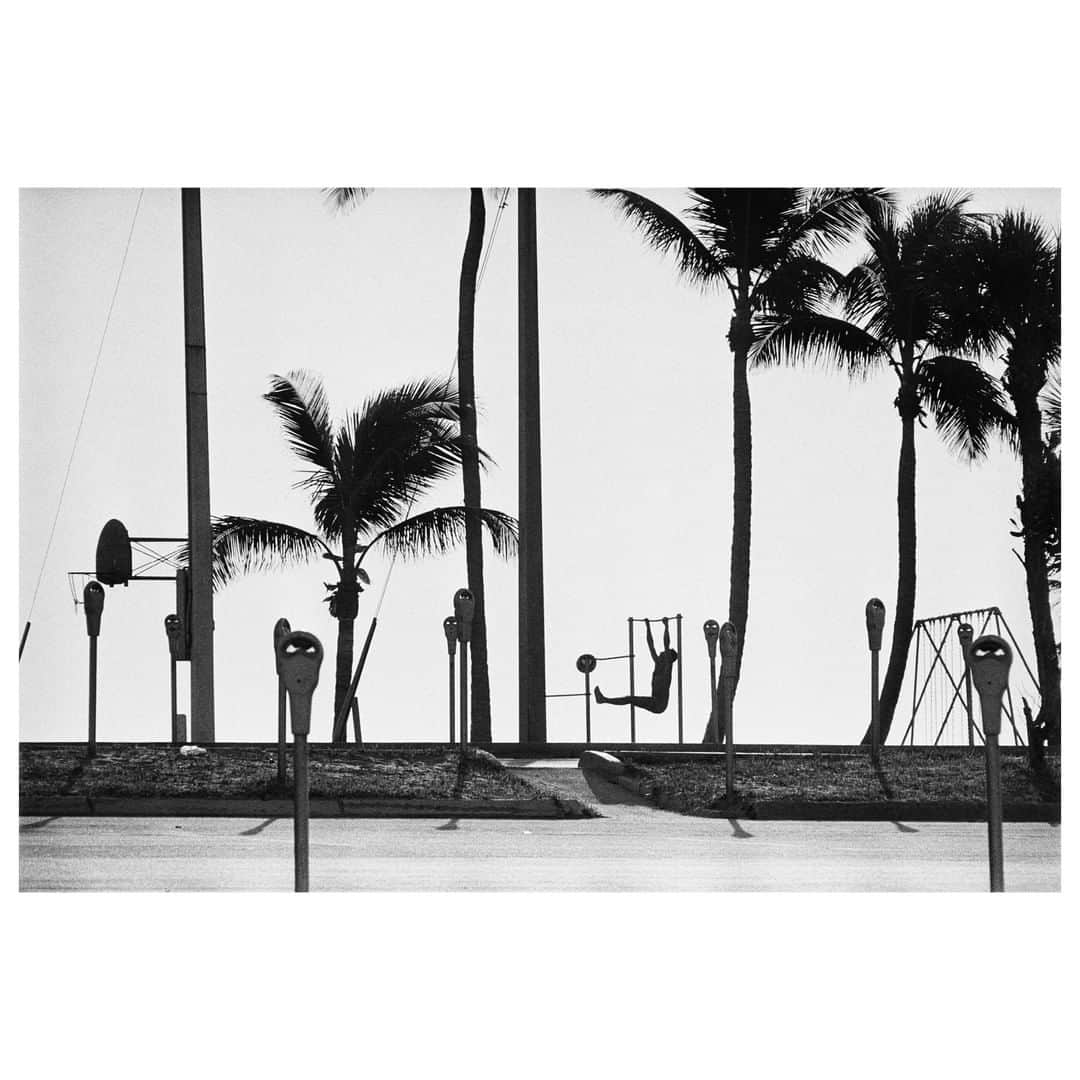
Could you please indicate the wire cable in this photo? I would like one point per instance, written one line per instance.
(86, 402)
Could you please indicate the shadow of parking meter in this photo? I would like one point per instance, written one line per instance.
(299, 657)
(464, 611)
(875, 626)
(93, 606)
(728, 645)
(990, 659)
(711, 630)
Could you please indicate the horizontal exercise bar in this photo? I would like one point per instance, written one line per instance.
(661, 619)
(621, 656)
(158, 539)
(578, 694)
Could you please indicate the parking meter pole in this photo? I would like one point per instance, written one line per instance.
(993, 815)
(464, 609)
(302, 814)
(965, 632)
(711, 629)
(299, 657)
(989, 658)
(172, 700)
(91, 749)
(875, 624)
(588, 708)
(93, 605)
(728, 645)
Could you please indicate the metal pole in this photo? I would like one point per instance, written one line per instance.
(302, 813)
(464, 666)
(994, 814)
(875, 625)
(678, 673)
(964, 633)
(630, 661)
(198, 473)
(452, 733)
(532, 678)
(711, 630)
(91, 750)
(172, 700)
(588, 708)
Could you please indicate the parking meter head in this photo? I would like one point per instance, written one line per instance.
(281, 630)
(464, 609)
(728, 643)
(711, 630)
(300, 655)
(586, 663)
(449, 625)
(990, 659)
(965, 633)
(93, 605)
(875, 623)
(172, 632)
(112, 563)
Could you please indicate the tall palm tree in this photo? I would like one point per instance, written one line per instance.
(1005, 301)
(889, 311)
(362, 477)
(346, 198)
(763, 245)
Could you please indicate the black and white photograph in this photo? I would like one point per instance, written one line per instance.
(589, 595)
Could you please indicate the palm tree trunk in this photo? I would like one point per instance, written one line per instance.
(1035, 570)
(904, 613)
(345, 606)
(480, 730)
(739, 584)
(343, 675)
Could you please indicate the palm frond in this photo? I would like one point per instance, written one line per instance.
(822, 218)
(967, 404)
(299, 400)
(345, 198)
(816, 337)
(666, 232)
(243, 545)
(437, 531)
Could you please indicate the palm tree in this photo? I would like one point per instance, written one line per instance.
(362, 477)
(346, 198)
(889, 310)
(1005, 300)
(764, 245)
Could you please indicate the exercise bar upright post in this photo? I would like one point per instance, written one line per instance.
(630, 634)
(678, 673)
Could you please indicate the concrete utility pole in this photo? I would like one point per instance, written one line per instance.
(198, 473)
(532, 678)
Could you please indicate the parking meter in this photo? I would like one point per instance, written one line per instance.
(712, 635)
(449, 626)
(990, 659)
(586, 663)
(281, 630)
(174, 632)
(299, 657)
(464, 610)
(93, 605)
(965, 633)
(875, 623)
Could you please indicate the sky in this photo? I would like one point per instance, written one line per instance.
(636, 447)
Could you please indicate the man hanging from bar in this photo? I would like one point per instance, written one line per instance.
(663, 663)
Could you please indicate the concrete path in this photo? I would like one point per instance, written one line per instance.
(635, 848)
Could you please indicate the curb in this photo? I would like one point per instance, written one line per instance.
(91, 806)
(786, 810)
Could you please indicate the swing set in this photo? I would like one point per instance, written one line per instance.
(586, 664)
